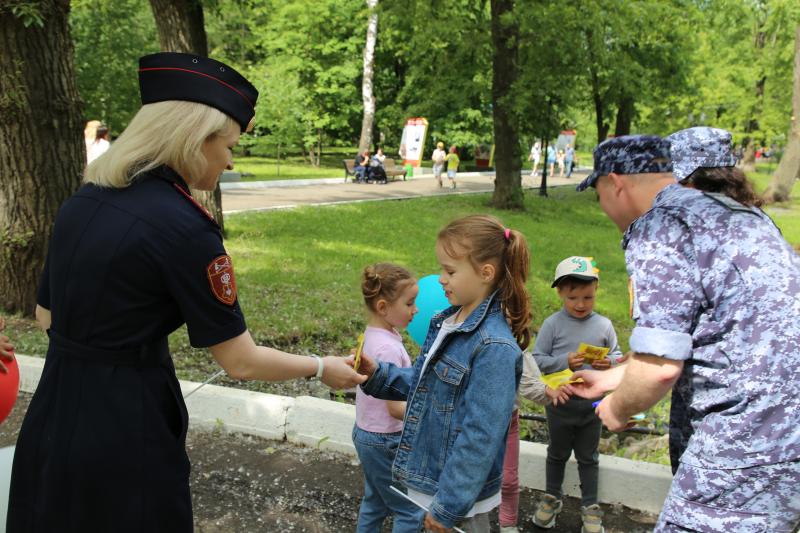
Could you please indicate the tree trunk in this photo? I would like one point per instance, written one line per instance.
(748, 155)
(505, 40)
(42, 152)
(181, 28)
(624, 116)
(365, 142)
(788, 171)
(597, 96)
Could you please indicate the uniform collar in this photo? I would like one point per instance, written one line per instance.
(170, 175)
(663, 197)
(166, 173)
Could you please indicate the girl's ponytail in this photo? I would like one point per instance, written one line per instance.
(511, 285)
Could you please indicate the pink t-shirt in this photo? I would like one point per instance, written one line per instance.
(372, 414)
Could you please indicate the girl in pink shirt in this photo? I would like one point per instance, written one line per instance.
(389, 293)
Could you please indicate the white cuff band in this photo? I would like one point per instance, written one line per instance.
(320, 367)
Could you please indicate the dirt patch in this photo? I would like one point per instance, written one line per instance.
(242, 483)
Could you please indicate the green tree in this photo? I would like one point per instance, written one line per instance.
(109, 37)
(788, 172)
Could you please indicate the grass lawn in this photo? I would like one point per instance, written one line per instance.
(298, 270)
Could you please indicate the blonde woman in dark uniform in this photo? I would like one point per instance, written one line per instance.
(132, 258)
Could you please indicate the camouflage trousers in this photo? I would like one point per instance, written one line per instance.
(748, 500)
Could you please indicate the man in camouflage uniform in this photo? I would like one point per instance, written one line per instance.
(715, 292)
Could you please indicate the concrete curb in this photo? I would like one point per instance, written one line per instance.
(327, 425)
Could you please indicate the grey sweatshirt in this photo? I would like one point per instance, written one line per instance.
(561, 333)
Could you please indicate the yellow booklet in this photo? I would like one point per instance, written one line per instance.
(556, 379)
(592, 352)
(358, 352)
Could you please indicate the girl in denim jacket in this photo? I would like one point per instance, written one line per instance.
(461, 389)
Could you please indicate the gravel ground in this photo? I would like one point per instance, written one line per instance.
(247, 484)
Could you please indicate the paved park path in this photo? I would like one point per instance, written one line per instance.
(239, 197)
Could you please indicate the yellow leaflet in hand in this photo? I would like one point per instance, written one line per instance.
(556, 379)
(358, 352)
(592, 352)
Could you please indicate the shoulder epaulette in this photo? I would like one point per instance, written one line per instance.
(729, 202)
(196, 204)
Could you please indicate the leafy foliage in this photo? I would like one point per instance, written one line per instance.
(109, 37)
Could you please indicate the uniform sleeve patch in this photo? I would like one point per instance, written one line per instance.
(222, 280)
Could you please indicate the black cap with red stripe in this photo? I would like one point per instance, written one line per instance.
(175, 76)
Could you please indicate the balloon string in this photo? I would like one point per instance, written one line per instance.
(203, 384)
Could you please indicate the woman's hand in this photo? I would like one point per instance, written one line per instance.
(338, 373)
(432, 525)
(601, 364)
(366, 365)
(6, 348)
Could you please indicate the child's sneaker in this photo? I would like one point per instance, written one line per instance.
(509, 529)
(546, 511)
(592, 517)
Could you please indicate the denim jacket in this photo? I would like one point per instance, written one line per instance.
(458, 413)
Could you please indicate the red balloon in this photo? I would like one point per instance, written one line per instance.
(9, 387)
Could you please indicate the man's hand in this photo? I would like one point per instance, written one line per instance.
(432, 525)
(575, 360)
(6, 348)
(339, 374)
(559, 395)
(597, 382)
(613, 420)
(601, 364)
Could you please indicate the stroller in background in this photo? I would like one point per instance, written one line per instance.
(375, 172)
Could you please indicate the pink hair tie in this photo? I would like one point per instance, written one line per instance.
(507, 234)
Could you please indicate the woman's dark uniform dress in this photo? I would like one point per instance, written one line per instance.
(102, 445)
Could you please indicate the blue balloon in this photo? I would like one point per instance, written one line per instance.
(430, 301)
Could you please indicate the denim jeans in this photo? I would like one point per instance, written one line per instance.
(376, 452)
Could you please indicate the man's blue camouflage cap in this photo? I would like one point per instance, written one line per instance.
(629, 154)
(700, 147)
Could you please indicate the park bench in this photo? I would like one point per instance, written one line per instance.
(391, 168)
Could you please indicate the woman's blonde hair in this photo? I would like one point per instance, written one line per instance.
(164, 133)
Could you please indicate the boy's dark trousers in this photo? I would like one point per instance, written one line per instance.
(573, 426)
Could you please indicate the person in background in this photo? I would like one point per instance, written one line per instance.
(90, 133)
(452, 165)
(438, 158)
(569, 159)
(100, 144)
(560, 157)
(535, 155)
(703, 158)
(362, 166)
(551, 159)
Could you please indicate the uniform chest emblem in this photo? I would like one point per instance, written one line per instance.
(222, 280)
